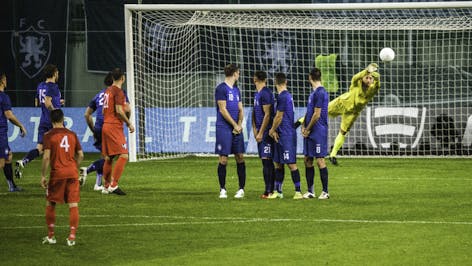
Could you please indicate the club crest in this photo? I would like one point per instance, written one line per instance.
(31, 48)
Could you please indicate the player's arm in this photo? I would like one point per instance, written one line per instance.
(88, 117)
(265, 121)
(275, 124)
(121, 114)
(316, 116)
(44, 167)
(253, 121)
(357, 78)
(10, 116)
(376, 77)
(36, 102)
(79, 156)
(224, 112)
(48, 103)
(239, 130)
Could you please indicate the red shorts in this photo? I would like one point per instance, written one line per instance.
(63, 190)
(113, 140)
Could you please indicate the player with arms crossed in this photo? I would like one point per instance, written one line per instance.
(229, 117)
(62, 151)
(113, 138)
(49, 98)
(7, 114)
(285, 136)
(262, 117)
(364, 86)
(315, 135)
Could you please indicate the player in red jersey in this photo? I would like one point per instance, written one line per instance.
(62, 151)
(113, 137)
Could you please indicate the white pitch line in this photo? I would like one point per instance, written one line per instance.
(224, 220)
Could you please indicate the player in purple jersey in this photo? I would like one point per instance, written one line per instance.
(284, 134)
(96, 106)
(262, 116)
(6, 114)
(49, 98)
(315, 135)
(229, 137)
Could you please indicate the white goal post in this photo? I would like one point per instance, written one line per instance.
(175, 56)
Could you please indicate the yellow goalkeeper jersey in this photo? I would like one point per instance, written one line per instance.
(356, 98)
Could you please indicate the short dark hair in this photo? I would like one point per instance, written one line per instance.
(116, 74)
(2, 74)
(230, 70)
(315, 74)
(280, 78)
(49, 71)
(108, 79)
(260, 75)
(57, 116)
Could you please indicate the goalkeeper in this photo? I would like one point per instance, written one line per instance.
(364, 86)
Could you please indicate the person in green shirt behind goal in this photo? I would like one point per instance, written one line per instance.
(364, 86)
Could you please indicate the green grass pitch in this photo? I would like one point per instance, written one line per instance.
(382, 211)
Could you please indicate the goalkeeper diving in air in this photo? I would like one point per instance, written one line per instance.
(364, 86)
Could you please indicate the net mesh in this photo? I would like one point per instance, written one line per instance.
(423, 107)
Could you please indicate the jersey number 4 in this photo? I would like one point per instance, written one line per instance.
(65, 143)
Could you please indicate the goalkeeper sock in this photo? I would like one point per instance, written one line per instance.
(338, 142)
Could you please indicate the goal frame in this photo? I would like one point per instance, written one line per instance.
(129, 8)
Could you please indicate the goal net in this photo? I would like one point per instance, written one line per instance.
(176, 55)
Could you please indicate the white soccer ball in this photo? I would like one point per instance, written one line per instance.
(387, 54)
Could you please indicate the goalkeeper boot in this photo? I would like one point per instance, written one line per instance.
(82, 175)
(324, 195)
(333, 161)
(50, 241)
(298, 195)
(19, 169)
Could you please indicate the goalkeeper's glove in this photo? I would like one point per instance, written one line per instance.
(372, 67)
(299, 122)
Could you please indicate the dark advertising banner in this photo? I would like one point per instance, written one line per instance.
(33, 35)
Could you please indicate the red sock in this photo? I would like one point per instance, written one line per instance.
(118, 170)
(73, 221)
(107, 167)
(50, 219)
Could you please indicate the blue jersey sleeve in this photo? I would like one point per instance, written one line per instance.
(220, 93)
(266, 98)
(93, 103)
(317, 99)
(282, 103)
(52, 92)
(6, 103)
